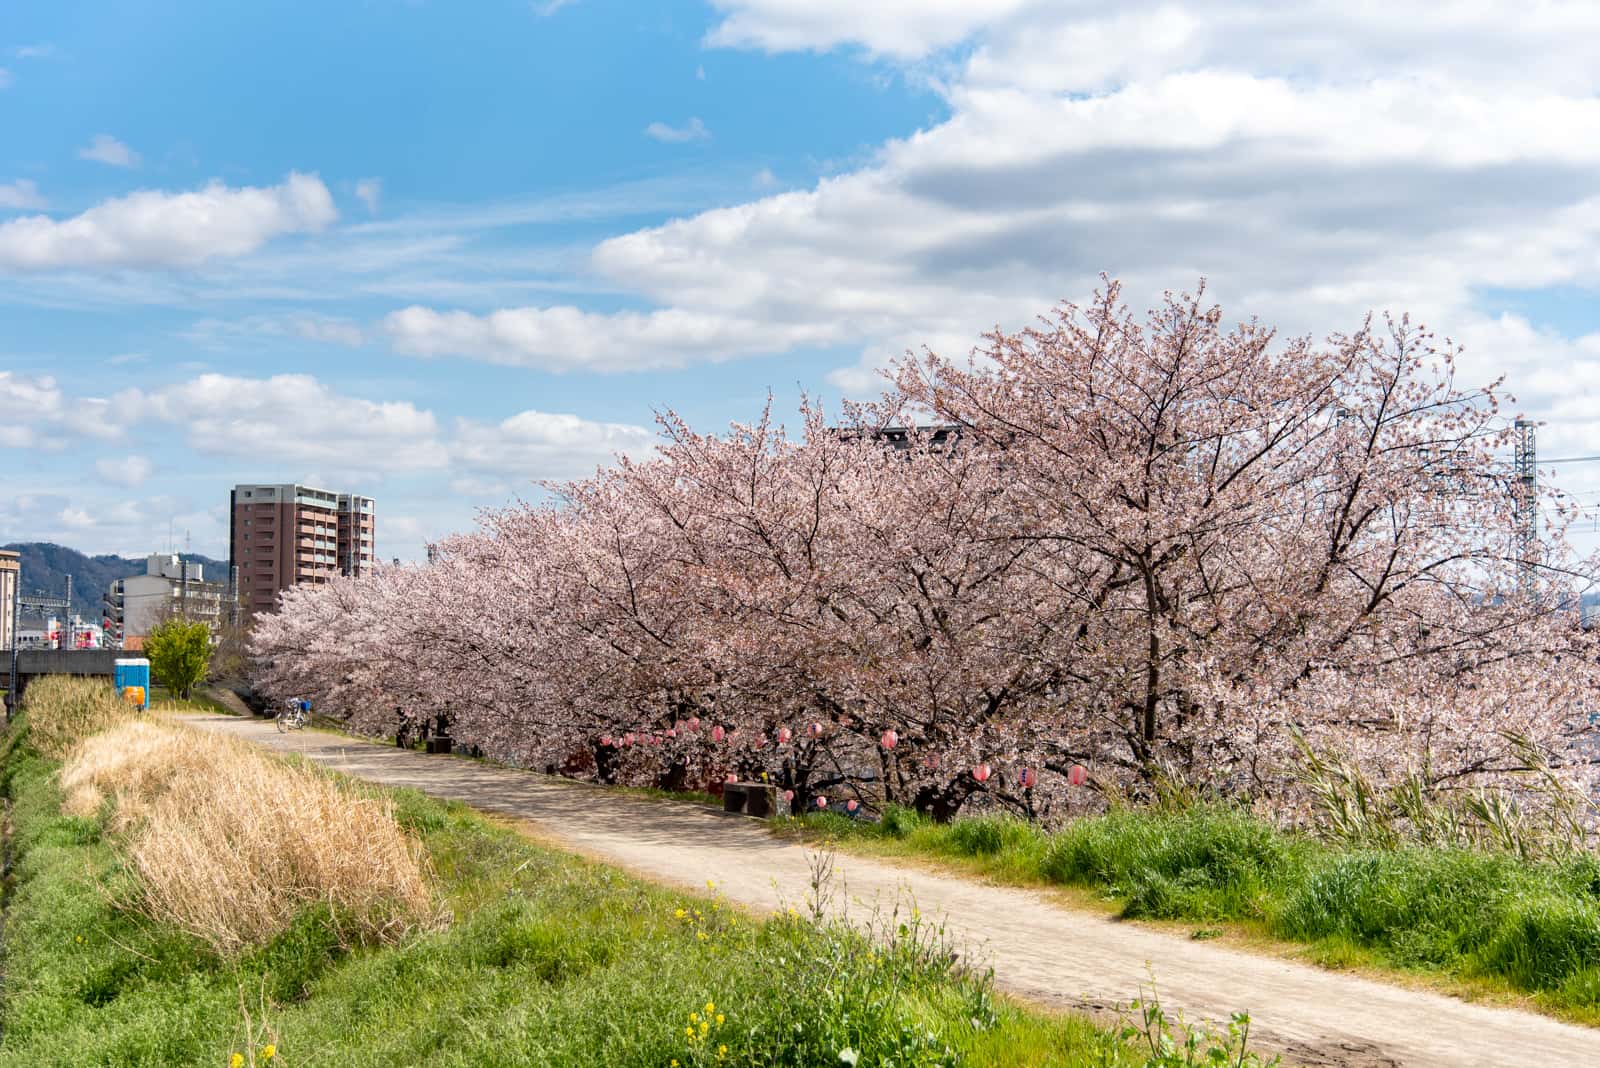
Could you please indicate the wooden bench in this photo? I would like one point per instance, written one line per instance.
(751, 798)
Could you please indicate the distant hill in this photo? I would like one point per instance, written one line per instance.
(45, 567)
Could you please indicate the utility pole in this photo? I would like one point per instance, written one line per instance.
(68, 631)
(1526, 487)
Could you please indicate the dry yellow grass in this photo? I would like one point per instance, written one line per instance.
(62, 709)
(230, 843)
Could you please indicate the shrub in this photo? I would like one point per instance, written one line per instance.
(180, 654)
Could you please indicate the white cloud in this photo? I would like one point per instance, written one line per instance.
(369, 191)
(765, 179)
(292, 419)
(1313, 161)
(36, 414)
(541, 445)
(38, 51)
(905, 30)
(107, 149)
(124, 524)
(545, 8)
(156, 229)
(6, 79)
(131, 470)
(564, 338)
(21, 195)
(693, 130)
(223, 333)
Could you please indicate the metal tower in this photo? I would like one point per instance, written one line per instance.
(1525, 472)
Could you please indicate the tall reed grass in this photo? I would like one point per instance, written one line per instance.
(60, 710)
(231, 844)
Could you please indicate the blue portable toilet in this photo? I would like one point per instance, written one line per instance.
(131, 678)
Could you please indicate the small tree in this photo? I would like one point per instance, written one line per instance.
(179, 652)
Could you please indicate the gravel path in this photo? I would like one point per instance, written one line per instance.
(1039, 950)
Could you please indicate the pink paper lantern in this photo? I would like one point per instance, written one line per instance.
(784, 734)
(672, 732)
(1028, 778)
(982, 772)
(731, 778)
(851, 806)
(628, 739)
(693, 724)
(1077, 775)
(890, 739)
(788, 797)
(717, 733)
(822, 802)
(816, 729)
(605, 739)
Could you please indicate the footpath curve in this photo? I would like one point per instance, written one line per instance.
(1039, 950)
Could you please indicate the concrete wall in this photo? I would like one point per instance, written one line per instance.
(67, 661)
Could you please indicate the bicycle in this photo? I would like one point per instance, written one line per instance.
(292, 718)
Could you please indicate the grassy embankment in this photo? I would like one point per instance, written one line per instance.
(512, 953)
(1483, 924)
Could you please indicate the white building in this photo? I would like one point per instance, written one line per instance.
(169, 586)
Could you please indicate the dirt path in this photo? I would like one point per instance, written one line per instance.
(1039, 950)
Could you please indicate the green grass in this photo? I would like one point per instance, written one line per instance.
(551, 960)
(1490, 921)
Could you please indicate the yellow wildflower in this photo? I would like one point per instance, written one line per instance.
(720, 1019)
(701, 935)
(722, 1051)
(680, 914)
(269, 1051)
(689, 1032)
(694, 1017)
(236, 1060)
(711, 1007)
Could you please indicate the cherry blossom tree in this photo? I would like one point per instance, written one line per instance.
(1134, 550)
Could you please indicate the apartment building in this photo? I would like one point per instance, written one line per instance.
(286, 534)
(169, 586)
(10, 575)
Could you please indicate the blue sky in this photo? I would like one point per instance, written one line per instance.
(434, 252)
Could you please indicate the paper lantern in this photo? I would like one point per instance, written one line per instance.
(784, 734)
(851, 806)
(717, 733)
(628, 739)
(1077, 775)
(982, 772)
(816, 729)
(693, 724)
(822, 802)
(1028, 778)
(732, 778)
(672, 732)
(889, 739)
(605, 739)
(788, 797)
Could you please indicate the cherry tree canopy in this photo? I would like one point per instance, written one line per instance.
(1133, 548)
